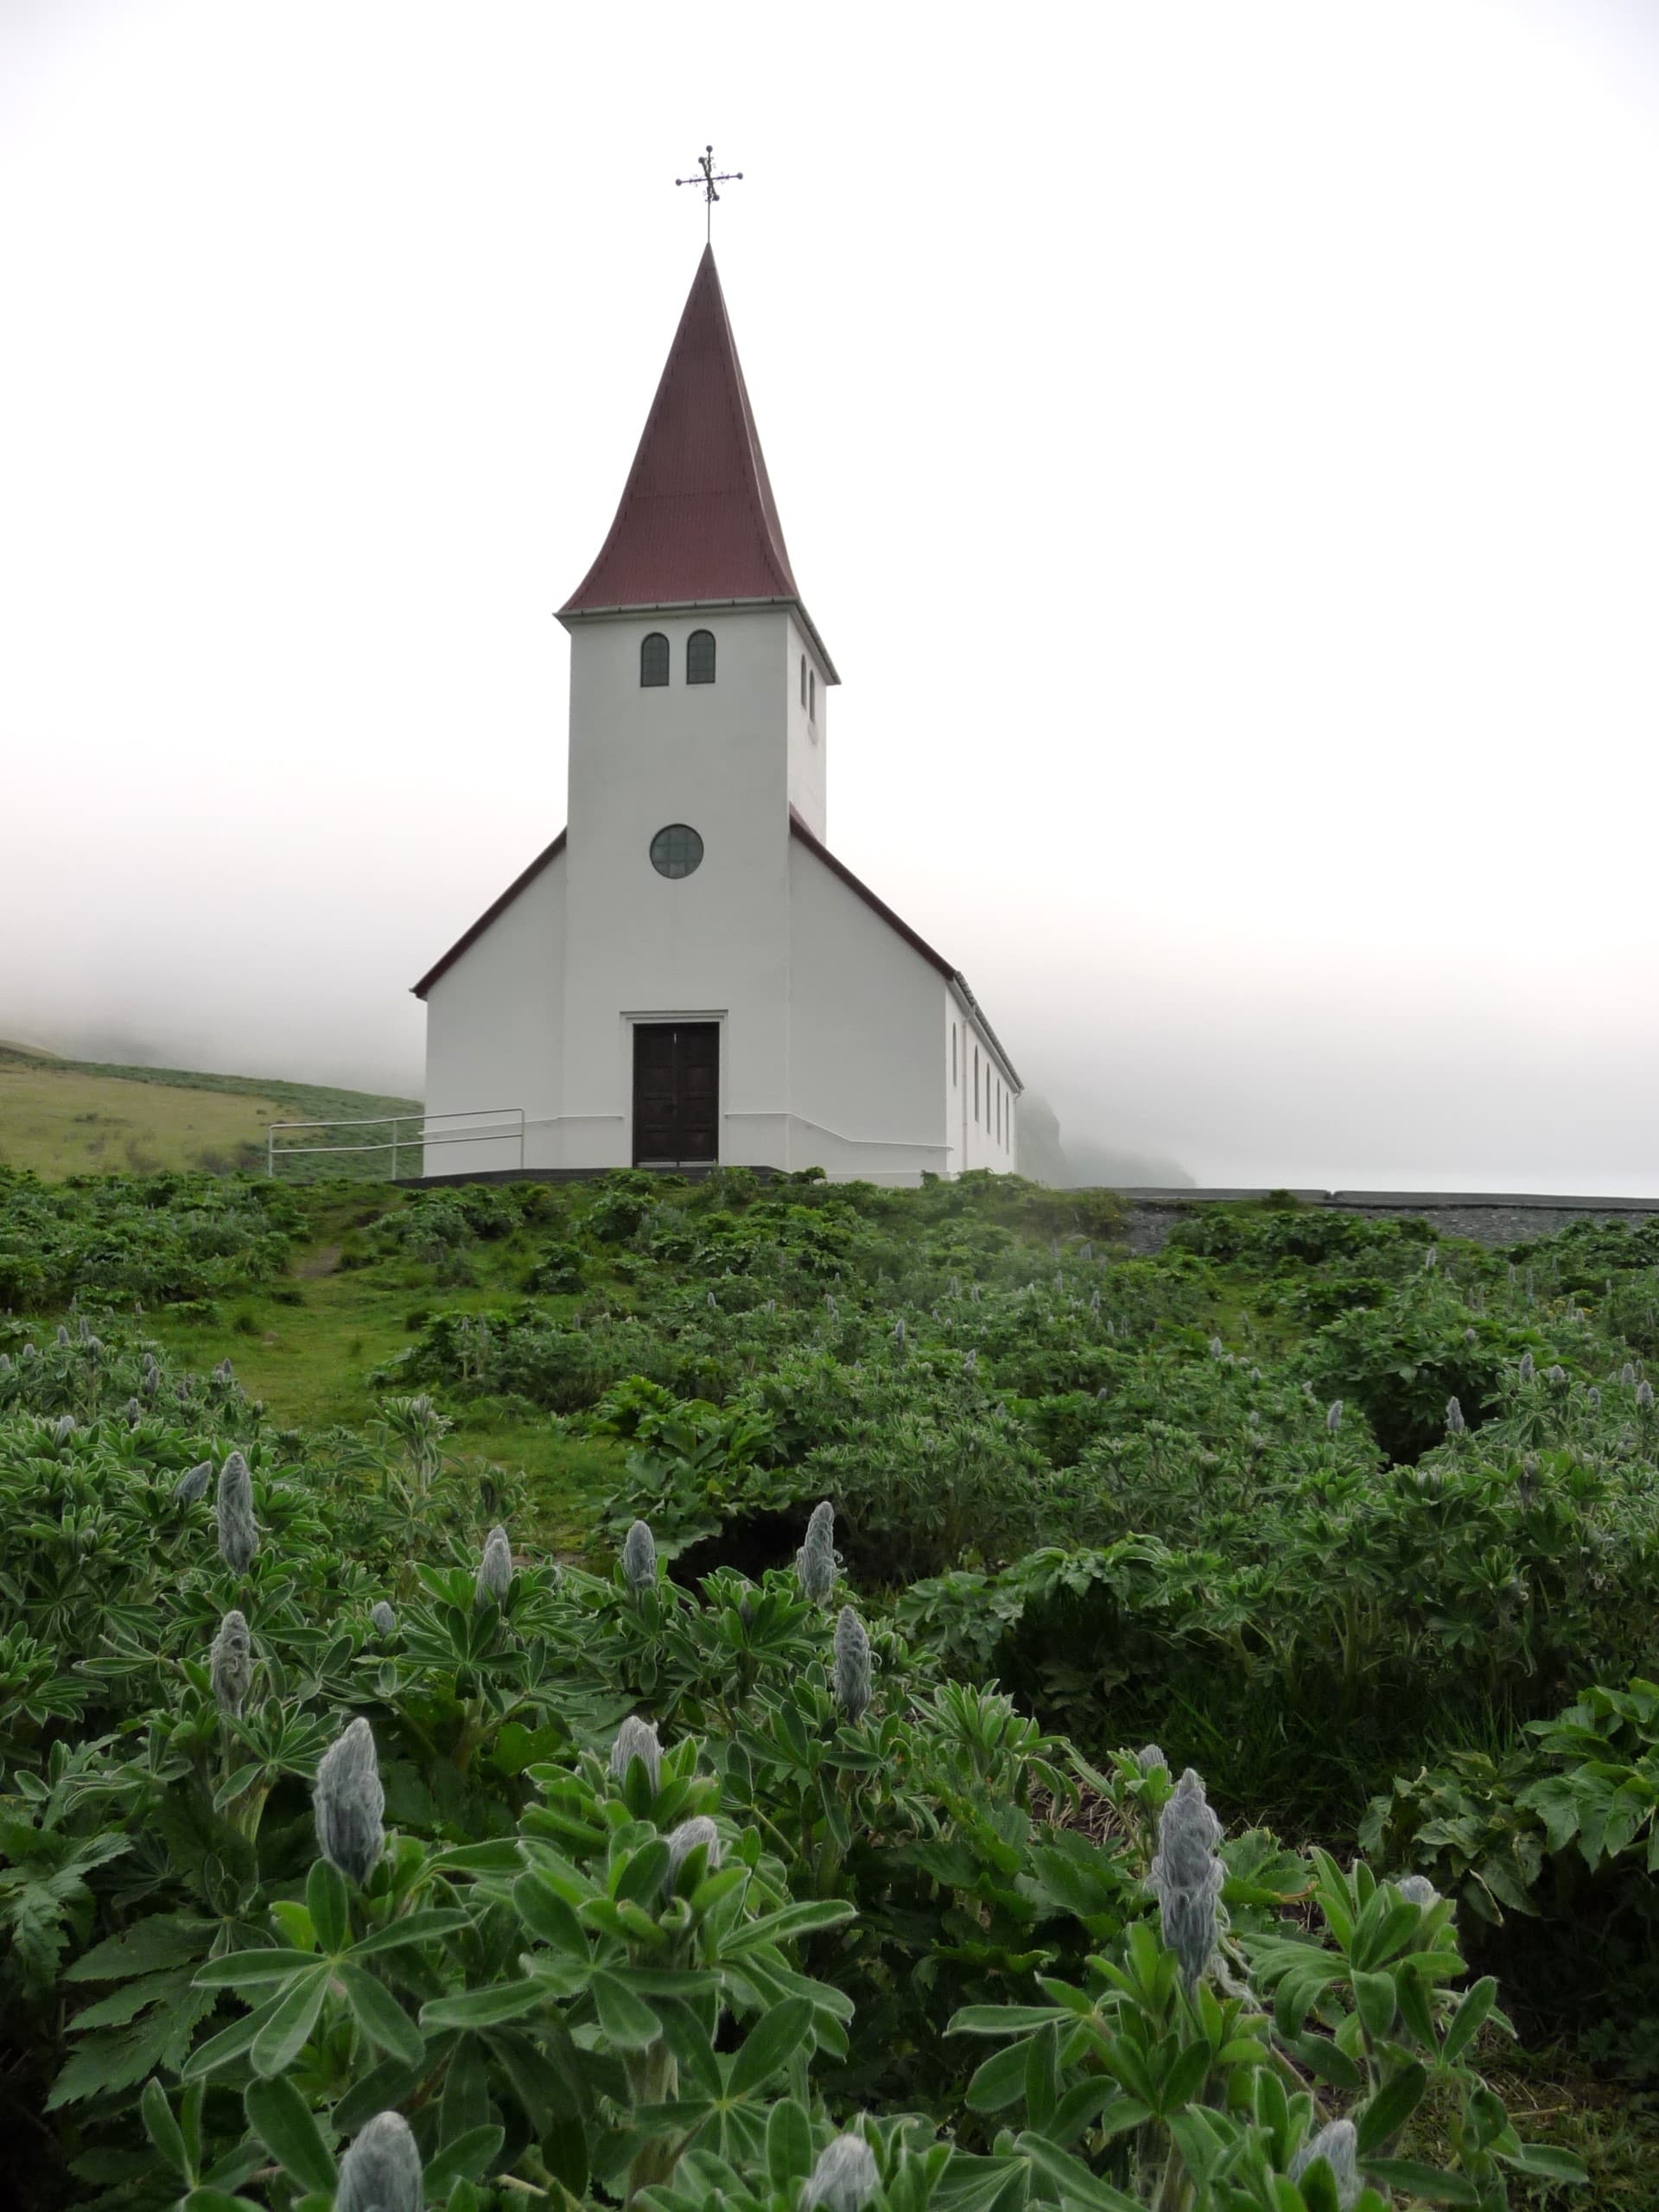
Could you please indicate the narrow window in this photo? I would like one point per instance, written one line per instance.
(700, 656)
(653, 658)
(812, 695)
(975, 1083)
(999, 1113)
(803, 679)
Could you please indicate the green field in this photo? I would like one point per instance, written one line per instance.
(1360, 1527)
(76, 1117)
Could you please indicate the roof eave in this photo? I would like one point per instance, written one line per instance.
(975, 1014)
(469, 937)
(570, 616)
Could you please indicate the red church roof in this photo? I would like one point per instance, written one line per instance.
(697, 523)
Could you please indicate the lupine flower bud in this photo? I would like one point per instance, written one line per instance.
(1338, 2143)
(709, 1299)
(636, 1739)
(1555, 1375)
(135, 1412)
(1454, 1420)
(974, 1294)
(845, 2177)
(1432, 1257)
(1094, 1300)
(231, 1663)
(1333, 1416)
(5, 1363)
(815, 1562)
(1187, 1874)
(193, 1483)
(1526, 1367)
(1644, 1394)
(494, 1569)
(1217, 1350)
(851, 1673)
(348, 1802)
(30, 1352)
(639, 1557)
(970, 1362)
(1418, 1890)
(1593, 1396)
(830, 1301)
(238, 1533)
(63, 1334)
(1103, 1392)
(381, 2170)
(1627, 1375)
(898, 1332)
(383, 1618)
(64, 1428)
(685, 1839)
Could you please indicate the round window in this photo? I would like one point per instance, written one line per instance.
(677, 850)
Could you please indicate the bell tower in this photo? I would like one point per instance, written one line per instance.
(698, 720)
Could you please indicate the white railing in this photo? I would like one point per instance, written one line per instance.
(426, 1133)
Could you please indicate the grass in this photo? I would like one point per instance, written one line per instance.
(76, 1117)
(306, 1344)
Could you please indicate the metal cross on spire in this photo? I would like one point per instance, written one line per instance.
(707, 178)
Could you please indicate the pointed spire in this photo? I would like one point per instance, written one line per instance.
(698, 521)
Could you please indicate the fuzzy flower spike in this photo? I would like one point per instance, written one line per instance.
(851, 1676)
(845, 2177)
(381, 2170)
(494, 1569)
(230, 1662)
(1187, 1875)
(1338, 2143)
(349, 1802)
(639, 1557)
(636, 1739)
(238, 1533)
(815, 1562)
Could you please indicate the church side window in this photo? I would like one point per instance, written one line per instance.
(700, 656)
(953, 1056)
(653, 658)
(975, 1083)
(811, 694)
(803, 679)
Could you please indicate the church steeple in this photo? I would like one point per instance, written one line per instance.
(697, 525)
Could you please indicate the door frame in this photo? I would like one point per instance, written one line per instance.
(630, 1019)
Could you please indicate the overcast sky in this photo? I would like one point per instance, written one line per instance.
(1219, 444)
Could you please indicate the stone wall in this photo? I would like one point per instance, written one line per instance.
(1486, 1218)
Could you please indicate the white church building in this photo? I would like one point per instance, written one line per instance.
(686, 975)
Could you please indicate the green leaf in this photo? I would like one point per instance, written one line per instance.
(1002, 2020)
(285, 2035)
(162, 2129)
(1001, 2082)
(485, 2008)
(549, 1917)
(413, 1928)
(789, 2145)
(1374, 1996)
(1544, 2160)
(1418, 2180)
(246, 1969)
(627, 2020)
(380, 2015)
(326, 1902)
(285, 2123)
(1469, 2019)
(766, 2048)
(467, 2159)
(218, 2200)
(787, 1923)
(1391, 2107)
(1071, 2179)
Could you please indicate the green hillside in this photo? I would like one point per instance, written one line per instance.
(642, 1682)
(69, 1117)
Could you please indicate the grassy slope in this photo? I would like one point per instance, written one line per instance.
(305, 1345)
(69, 1117)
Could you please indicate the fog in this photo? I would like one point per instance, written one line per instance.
(1218, 446)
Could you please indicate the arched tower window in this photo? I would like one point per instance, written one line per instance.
(700, 656)
(653, 658)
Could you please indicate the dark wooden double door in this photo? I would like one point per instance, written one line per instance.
(676, 1093)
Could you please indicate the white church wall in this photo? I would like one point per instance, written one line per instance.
(808, 728)
(981, 1100)
(713, 943)
(865, 1095)
(492, 1030)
